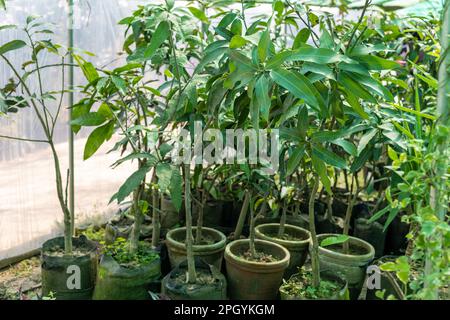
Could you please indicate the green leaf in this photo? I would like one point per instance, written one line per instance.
(210, 56)
(329, 157)
(97, 138)
(391, 153)
(227, 20)
(130, 184)
(355, 88)
(297, 84)
(151, 160)
(262, 97)
(294, 159)
(120, 84)
(321, 69)
(91, 119)
(301, 38)
(334, 240)
(361, 159)
(176, 188)
(237, 42)
(356, 106)
(377, 63)
(307, 54)
(164, 174)
(379, 214)
(199, 14)
(365, 139)
(321, 170)
(12, 45)
(264, 45)
(346, 145)
(160, 35)
(3, 4)
(242, 62)
(373, 85)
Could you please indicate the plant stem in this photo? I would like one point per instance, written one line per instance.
(191, 275)
(312, 228)
(199, 229)
(282, 222)
(348, 214)
(156, 219)
(252, 229)
(138, 217)
(242, 216)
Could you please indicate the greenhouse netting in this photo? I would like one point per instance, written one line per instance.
(213, 150)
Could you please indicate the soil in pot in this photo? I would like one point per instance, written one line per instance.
(295, 239)
(255, 280)
(69, 277)
(126, 276)
(352, 265)
(210, 285)
(210, 249)
(299, 287)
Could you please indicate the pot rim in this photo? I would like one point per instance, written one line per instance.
(259, 232)
(232, 258)
(367, 256)
(219, 245)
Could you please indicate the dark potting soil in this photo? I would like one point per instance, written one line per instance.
(353, 250)
(203, 278)
(258, 257)
(301, 287)
(77, 251)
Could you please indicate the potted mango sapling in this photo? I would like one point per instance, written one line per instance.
(209, 244)
(68, 264)
(126, 101)
(293, 238)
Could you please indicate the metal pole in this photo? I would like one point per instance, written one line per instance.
(71, 102)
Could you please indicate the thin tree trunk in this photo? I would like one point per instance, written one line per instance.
(68, 246)
(252, 230)
(191, 275)
(137, 225)
(242, 216)
(156, 219)
(199, 228)
(348, 214)
(312, 228)
(282, 223)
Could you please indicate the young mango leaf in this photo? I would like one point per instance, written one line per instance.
(151, 160)
(242, 62)
(294, 159)
(346, 145)
(11, 46)
(209, 57)
(329, 241)
(97, 138)
(164, 174)
(377, 63)
(91, 119)
(373, 85)
(355, 88)
(131, 184)
(264, 46)
(237, 42)
(329, 157)
(365, 139)
(199, 14)
(361, 159)
(176, 188)
(356, 106)
(321, 169)
(307, 54)
(160, 35)
(3, 4)
(301, 38)
(261, 92)
(227, 20)
(298, 85)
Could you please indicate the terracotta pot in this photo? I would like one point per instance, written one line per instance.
(297, 248)
(351, 266)
(210, 253)
(249, 280)
(342, 294)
